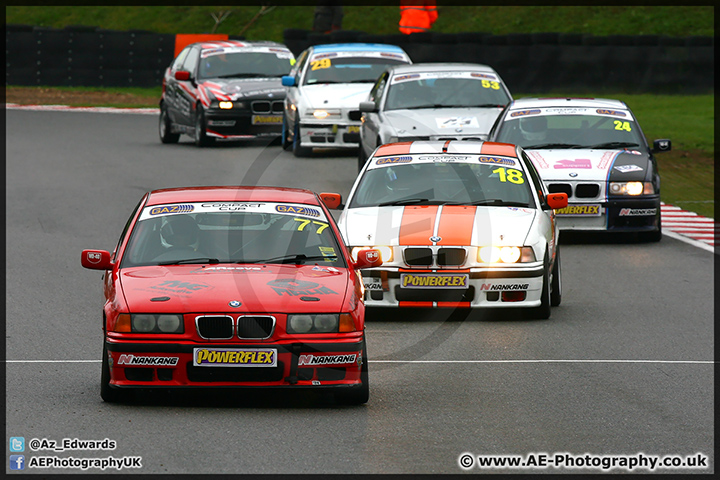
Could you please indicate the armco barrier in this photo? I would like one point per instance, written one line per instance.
(529, 63)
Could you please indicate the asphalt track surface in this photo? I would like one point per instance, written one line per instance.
(624, 367)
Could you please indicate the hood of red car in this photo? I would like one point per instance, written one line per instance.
(219, 288)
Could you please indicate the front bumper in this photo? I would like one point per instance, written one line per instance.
(330, 135)
(172, 365)
(617, 215)
(467, 288)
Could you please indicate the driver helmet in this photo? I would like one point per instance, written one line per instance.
(180, 231)
(533, 128)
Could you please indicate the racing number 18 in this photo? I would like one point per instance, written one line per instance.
(512, 175)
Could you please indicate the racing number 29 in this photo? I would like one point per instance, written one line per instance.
(510, 175)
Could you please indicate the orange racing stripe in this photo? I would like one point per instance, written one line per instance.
(400, 148)
(505, 149)
(417, 225)
(456, 225)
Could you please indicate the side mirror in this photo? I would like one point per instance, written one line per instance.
(288, 81)
(96, 259)
(367, 107)
(368, 258)
(661, 145)
(182, 75)
(556, 201)
(331, 200)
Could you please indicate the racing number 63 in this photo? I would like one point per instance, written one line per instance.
(511, 175)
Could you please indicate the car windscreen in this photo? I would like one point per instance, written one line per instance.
(499, 183)
(347, 69)
(446, 92)
(233, 232)
(244, 65)
(539, 131)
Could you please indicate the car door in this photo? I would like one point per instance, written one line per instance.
(370, 127)
(187, 89)
(292, 95)
(170, 98)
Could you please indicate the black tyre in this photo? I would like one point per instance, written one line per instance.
(556, 281)
(108, 393)
(201, 138)
(285, 137)
(359, 394)
(298, 150)
(165, 128)
(543, 311)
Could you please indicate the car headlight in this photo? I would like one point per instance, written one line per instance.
(506, 254)
(320, 323)
(632, 188)
(323, 114)
(225, 105)
(149, 323)
(386, 253)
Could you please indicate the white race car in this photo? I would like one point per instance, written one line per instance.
(458, 224)
(594, 150)
(431, 101)
(327, 83)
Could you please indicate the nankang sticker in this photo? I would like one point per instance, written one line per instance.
(496, 160)
(522, 113)
(483, 75)
(234, 357)
(617, 113)
(638, 212)
(326, 359)
(298, 210)
(167, 209)
(628, 168)
(133, 360)
(504, 287)
(387, 160)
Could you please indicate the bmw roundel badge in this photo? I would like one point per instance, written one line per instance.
(234, 303)
(573, 174)
(435, 239)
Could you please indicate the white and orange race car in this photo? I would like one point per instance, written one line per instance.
(458, 224)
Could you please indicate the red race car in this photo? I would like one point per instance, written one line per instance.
(233, 287)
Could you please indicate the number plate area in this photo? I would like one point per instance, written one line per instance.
(235, 357)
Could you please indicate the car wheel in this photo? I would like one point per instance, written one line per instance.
(286, 143)
(298, 150)
(108, 393)
(362, 158)
(359, 394)
(543, 311)
(201, 138)
(556, 282)
(165, 127)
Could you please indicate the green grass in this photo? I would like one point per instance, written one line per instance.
(596, 20)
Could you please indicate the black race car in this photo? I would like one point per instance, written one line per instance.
(226, 90)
